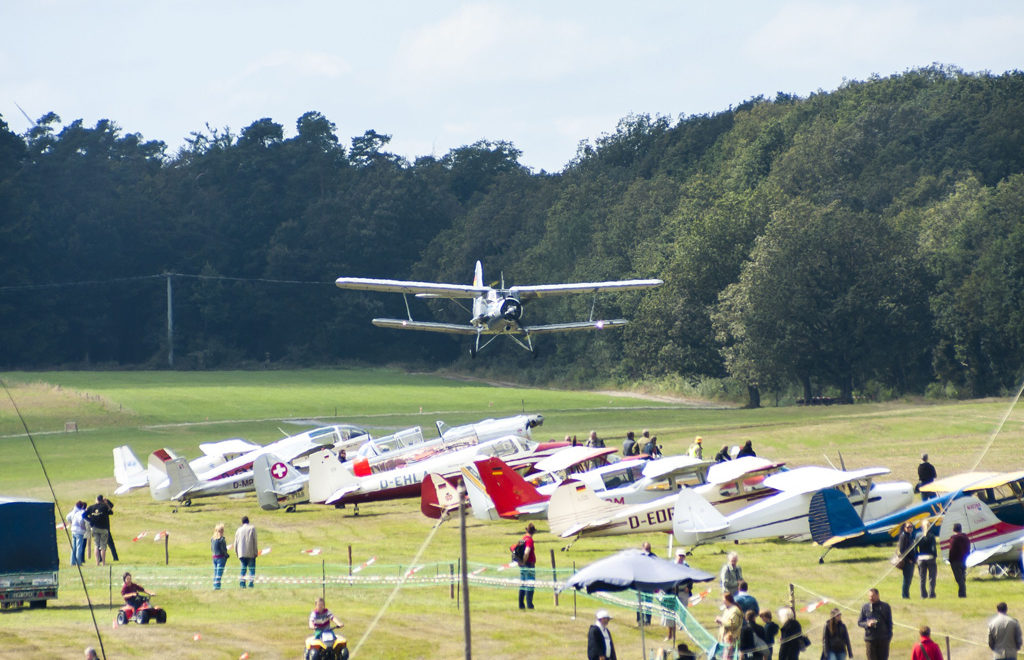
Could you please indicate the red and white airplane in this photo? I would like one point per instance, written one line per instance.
(993, 541)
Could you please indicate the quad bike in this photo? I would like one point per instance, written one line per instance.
(144, 613)
(329, 646)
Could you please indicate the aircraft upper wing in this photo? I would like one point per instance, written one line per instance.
(726, 471)
(813, 478)
(406, 324)
(957, 482)
(577, 325)
(563, 459)
(525, 293)
(662, 468)
(403, 286)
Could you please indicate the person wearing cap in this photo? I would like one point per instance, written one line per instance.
(925, 475)
(599, 639)
(527, 570)
(697, 449)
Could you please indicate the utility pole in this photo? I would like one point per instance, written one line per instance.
(465, 572)
(170, 322)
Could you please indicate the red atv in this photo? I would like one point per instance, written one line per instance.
(144, 613)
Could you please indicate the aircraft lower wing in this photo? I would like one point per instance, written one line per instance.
(577, 325)
(406, 324)
(402, 286)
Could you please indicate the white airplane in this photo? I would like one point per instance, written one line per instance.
(495, 311)
(332, 482)
(993, 541)
(130, 473)
(172, 478)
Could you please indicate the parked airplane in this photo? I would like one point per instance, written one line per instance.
(333, 482)
(130, 474)
(495, 311)
(278, 484)
(993, 541)
(172, 478)
(1003, 492)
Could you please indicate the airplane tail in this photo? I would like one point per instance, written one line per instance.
(275, 480)
(437, 496)
(832, 518)
(327, 475)
(695, 517)
(128, 470)
(479, 303)
(506, 487)
(573, 507)
(979, 523)
(170, 476)
(483, 505)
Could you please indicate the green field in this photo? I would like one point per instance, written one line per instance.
(149, 410)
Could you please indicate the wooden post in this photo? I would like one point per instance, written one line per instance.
(948, 656)
(323, 579)
(350, 560)
(167, 553)
(792, 598)
(451, 581)
(554, 576)
(110, 585)
(458, 593)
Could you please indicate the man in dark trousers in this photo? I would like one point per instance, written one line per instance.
(98, 515)
(959, 548)
(527, 569)
(925, 475)
(876, 620)
(599, 638)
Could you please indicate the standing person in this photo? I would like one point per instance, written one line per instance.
(835, 638)
(629, 447)
(771, 629)
(697, 449)
(744, 599)
(246, 547)
(752, 643)
(876, 620)
(746, 450)
(98, 516)
(731, 574)
(77, 527)
(926, 649)
(595, 441)
(527, 570)
(599, 639)
(927, 550)
(110, 533)
(790, 635)
(729, 623)
(723, 454)
(907, 550)
(219, 550)
(90, 653)
(959, 548)
(1004, 636)
(925, 475)
(651, 447)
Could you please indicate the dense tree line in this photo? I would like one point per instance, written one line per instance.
(866, 239)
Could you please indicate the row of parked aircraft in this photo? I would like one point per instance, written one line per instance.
(584, 491)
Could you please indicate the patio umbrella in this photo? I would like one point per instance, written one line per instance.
(633, 569)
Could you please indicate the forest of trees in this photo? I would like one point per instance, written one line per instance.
(866, 240)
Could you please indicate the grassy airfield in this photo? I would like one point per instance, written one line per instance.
(149, 410)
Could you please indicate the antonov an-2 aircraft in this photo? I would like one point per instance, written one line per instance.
(495, 311)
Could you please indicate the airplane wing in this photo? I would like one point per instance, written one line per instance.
(957, 482)
(726, 471)
(436, 289)
(570, 327)
(525, 293)
(406, 324)
(1009, 551)
(673, 466)
(232, 446)
(813, 478)
(563, 459)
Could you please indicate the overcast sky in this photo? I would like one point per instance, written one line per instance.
(438, 74)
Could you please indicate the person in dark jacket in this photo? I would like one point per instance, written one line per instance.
(925, 475)
(746, 450)
(959, 548)
(752, 644)
(876, 620)
(771, 630)
(630, 447)
(927, 551)
(835, 638)
(98, 515)
(907, 550)
(723, 454)
(599, 639)
(790, 635)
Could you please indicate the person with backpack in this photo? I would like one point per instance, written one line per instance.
(926, 649)
(523, 554)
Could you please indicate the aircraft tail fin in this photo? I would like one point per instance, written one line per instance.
(327, 475)
(437, 496)
(832, 518)
(506, 487)
(275, 480)
(483, 505)
(479, 303)
(174, 476)
(979, 523)
(695, 517)
(128, 470)
(573, 507)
